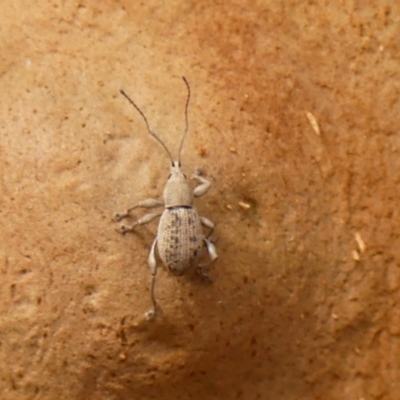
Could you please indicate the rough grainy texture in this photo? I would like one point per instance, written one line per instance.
(294, 118)
(179, 239)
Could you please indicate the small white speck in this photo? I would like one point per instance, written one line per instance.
(244, 205)
(314, 123)
(360, 242)
(355, 255)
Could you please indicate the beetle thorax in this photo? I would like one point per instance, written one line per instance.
(177, 191)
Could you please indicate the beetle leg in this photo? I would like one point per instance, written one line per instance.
(203, 187)
(212, 252)
(147, 203)
(203, 275)
(208, 224)
(152, 263)
(141, 221)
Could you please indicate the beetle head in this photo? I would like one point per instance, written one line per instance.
(177, 192)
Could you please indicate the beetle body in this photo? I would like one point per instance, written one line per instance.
(180, 237)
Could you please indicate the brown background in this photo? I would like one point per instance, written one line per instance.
(298, 308)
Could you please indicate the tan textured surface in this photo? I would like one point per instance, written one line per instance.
(291, 313)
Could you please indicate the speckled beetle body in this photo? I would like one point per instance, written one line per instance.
(179, 239)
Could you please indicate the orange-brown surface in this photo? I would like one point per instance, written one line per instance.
(295, 120)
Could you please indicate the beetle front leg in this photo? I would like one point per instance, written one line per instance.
(147, 203)
(141, 221)
(152, 263)
(201, 189)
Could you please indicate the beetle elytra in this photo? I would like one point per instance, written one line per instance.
(180, 239)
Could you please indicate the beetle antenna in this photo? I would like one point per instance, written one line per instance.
(186, 118)
(147, 124)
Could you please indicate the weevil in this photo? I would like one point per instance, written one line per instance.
(180, 238)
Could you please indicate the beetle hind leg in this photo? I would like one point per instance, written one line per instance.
(152, 263)
(212, 252)
(203, 275)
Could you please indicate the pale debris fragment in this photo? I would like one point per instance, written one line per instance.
(232, 149)
(355, 255)
(360, 242)
(314, 123)
(244, 205)
(335, 316)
